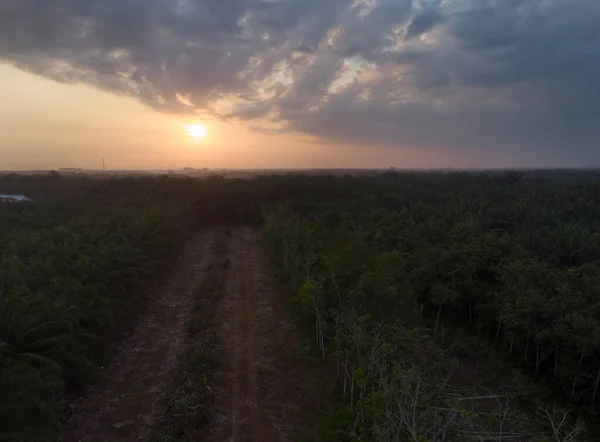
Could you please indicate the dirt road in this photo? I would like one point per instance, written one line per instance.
(125, 406)
(262, 390)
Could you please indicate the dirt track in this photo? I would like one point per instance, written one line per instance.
(262, 390)
(125, 406)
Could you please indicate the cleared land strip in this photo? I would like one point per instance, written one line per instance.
(263, 391)
(126, 405)
(187, 408)
(214, 358)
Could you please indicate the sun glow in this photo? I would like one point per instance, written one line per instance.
(196, 131)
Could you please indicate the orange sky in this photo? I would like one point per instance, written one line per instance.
(47, 125)
(375, 83)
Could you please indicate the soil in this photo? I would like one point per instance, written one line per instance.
(125, 405)
(263, 390)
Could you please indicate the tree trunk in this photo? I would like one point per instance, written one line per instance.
(285, 255)
(479, 324)
(498, 329)
(595, 388)
(556, 352)
(576, 375)
(345, 373)
(537, 358)
(437, 319)
(352, 391)
(512, 341)
(470, 313)
(319, 327)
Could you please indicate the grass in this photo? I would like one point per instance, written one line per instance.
(187, 405)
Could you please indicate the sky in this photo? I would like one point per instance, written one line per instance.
(299, 83)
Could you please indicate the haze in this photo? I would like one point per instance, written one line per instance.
(299, 83)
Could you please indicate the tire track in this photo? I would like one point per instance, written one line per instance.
(262, 392)
(244, 401)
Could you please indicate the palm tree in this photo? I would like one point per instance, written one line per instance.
(38, 347)
(513, 176)
(29, 377)
(573, 245)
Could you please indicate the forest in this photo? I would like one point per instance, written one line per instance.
(455, 306)
(73, 267)
(438, 293)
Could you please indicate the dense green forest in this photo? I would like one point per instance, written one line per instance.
(409, 277)
(457, 306)
(73, 265)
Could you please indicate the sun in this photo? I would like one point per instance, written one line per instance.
(196, 131)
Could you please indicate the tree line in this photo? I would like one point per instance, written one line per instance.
(508, 261)
(396, 274)
(72, 268)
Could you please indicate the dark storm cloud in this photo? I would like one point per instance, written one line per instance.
(423, 23)
(462, 75)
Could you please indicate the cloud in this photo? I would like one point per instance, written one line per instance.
(459, 76)
(422, 23)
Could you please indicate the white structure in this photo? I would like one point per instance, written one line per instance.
(14, 198)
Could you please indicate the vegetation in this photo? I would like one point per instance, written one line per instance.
(458, 306)
(71, 267)
(408, 275)
(187, 406)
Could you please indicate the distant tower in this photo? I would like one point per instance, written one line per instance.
(103, 165)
